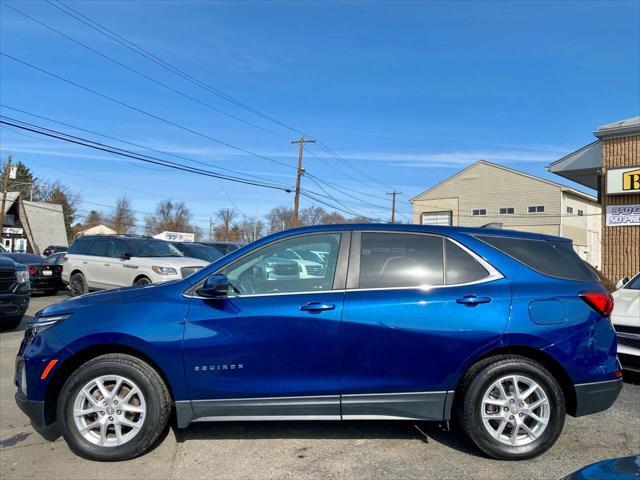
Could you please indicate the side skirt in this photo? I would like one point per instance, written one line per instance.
(384, 406)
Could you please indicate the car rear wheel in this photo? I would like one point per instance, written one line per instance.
(78, 285)
(512, 408)
(114, 407)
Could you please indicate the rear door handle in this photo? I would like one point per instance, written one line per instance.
(316, 307)
(472, 300)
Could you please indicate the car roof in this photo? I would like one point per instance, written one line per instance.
(436, 229)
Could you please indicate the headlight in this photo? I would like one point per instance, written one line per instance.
(22, 276)
(40, 324)
(164, 270)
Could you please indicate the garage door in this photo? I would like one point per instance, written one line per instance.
(436, 218)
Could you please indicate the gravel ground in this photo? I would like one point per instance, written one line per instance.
(345, 450)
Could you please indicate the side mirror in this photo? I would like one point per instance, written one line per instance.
(622, 282)
(215, 286)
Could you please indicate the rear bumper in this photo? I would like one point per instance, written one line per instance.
(596, 397)
(34, 409)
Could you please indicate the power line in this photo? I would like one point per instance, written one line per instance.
(144, 112)
(176, 71)
(126, 153)
(145, 147)
(153, 58)
(143, 75)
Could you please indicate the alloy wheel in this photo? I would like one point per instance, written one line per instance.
(109, 410)
(515, 410)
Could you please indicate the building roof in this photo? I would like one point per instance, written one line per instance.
(43, 223)
(628, 126)
(582, 165)
(97, 230)
(562, 187)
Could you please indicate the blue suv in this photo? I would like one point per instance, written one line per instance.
(501, 332)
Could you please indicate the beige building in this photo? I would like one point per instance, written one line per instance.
(486, 193)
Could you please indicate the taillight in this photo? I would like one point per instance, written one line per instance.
(65, 259)
(33, 270)
(601, 302)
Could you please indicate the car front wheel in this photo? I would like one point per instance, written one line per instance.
(512, 408)
(113, 407)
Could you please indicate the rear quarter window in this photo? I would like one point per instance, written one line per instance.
(552, 258)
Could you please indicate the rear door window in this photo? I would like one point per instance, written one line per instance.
(117, 248)
(552, 258)
(390, 260)
(99, 248)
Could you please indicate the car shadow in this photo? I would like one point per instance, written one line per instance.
(426, 432)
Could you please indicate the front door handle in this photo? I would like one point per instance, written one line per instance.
(316, 307)
(472, 300)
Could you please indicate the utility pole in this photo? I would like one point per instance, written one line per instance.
(5, 186)
(296, 201)
(210, 229)
(393, 204)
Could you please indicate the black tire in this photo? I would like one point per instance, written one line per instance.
(154, 390)
(78, 285)
(140, 282)
(478, 380)
(10, 323)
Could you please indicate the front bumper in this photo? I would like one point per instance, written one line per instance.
(13, 305)
(34, 409)
(596, 397)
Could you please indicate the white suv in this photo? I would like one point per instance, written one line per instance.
(102, 262)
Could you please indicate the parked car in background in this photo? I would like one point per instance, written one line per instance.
(3, 250)
(53, 249)
(44, 278)
(14, 292)
(201, 251)
(224, 248)
(626, 321)
(101, 262)
(505, 331)
(56, 258)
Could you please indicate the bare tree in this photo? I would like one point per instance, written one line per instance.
(226, 217)
(123, 218)
(280, 218)
(169, 216)
(251, 229)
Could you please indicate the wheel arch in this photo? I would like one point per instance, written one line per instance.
(82, 356)
(555, 368)
(139, 276)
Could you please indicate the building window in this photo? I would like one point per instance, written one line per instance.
(580, 213)
(536, 209)
(570, 210)
(506, 211)
(478, 211)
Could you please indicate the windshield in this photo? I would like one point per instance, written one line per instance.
(153, 248)
(199, 251)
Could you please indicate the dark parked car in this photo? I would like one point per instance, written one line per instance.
(225, 248)
(623, 468)
(506, 332)
(14, 292)
(56, 258)
(201, 251)
(51, 249)
(44, 277)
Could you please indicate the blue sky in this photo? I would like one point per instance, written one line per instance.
(408, 92)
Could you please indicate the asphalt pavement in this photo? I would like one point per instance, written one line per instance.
(300, 450)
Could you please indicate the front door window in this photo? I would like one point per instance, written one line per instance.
(302, 264)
